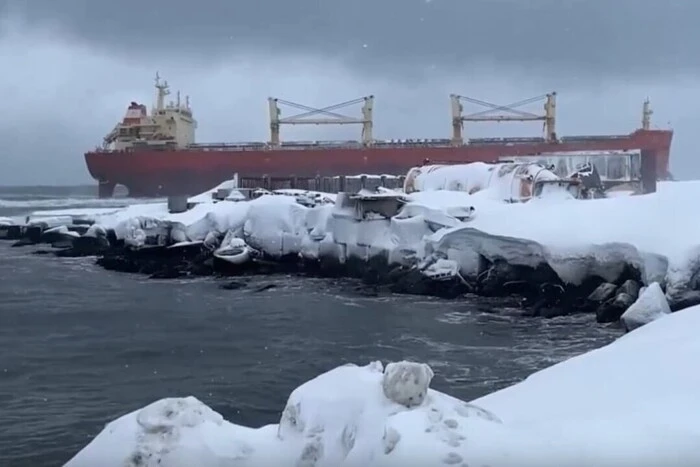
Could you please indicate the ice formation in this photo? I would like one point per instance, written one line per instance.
(627, 404)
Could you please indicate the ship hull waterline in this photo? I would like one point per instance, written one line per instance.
(157, 173)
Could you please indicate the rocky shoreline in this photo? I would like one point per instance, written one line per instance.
(539, 288)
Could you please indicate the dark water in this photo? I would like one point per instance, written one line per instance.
(80, 346)
(18, 201)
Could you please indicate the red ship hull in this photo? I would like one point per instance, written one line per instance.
(154, 173)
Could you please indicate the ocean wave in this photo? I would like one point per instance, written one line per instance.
(39, 202)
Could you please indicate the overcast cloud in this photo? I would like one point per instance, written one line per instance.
(70, 67)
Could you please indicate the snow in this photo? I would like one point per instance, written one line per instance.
(63, 230)
(228, 185)
(576, 238)
(500, 181)
(662, 222)
(650, 305)
(628, 404)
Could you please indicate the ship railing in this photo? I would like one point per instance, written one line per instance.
(507, 140)
(320, 145)
(569, 139)
(395, 143)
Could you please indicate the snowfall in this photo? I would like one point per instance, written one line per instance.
(630, 403)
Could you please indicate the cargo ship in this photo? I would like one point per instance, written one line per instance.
(155, 154)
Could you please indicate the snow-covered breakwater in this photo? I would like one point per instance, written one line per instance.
(561, 255)
(626, 404)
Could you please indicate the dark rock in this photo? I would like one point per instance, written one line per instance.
(501, 279)
(613, 308)
(222, 267)
(158, 261)
(553, 312)
(112, 238)
(33, 233)
(601, 294)
(376, 270)
(368, 290)
(409, 281)
(63, 244)
(168, 273)
(24, 241)
(413, 281)
(10, 232)
(86, 246)
(631, 288)
(326, 266)
(43, 252)
(30, 235)
(491, 282)
(630, 272)
(551, 300)
(83, 222)
(79, 229)
(265, 287)
(685, 299)
(55, 236)
(233, 285)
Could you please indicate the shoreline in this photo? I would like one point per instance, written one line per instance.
(538, 288)
(557, 254)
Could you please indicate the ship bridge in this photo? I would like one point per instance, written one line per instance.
(169, 125)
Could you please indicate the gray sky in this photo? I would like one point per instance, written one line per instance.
(70, 67)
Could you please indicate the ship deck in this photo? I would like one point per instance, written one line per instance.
(380, 144)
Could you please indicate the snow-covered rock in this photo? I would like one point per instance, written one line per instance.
(406, 383)
(650, 305)
(575, 238)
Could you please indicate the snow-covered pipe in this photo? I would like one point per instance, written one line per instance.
(507, 181)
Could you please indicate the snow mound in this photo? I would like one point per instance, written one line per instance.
(650, 305)
(573, 413)
(340, 418)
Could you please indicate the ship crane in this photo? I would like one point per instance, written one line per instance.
(330, 117)
(508, 113)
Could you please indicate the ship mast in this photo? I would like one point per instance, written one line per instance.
(162, 91)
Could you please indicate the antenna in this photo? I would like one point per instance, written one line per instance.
(162, 92)
(646, 115)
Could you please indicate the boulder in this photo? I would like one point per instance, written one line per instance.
(650, 305)
(612, 310)
(601, 294)
(406, 383)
